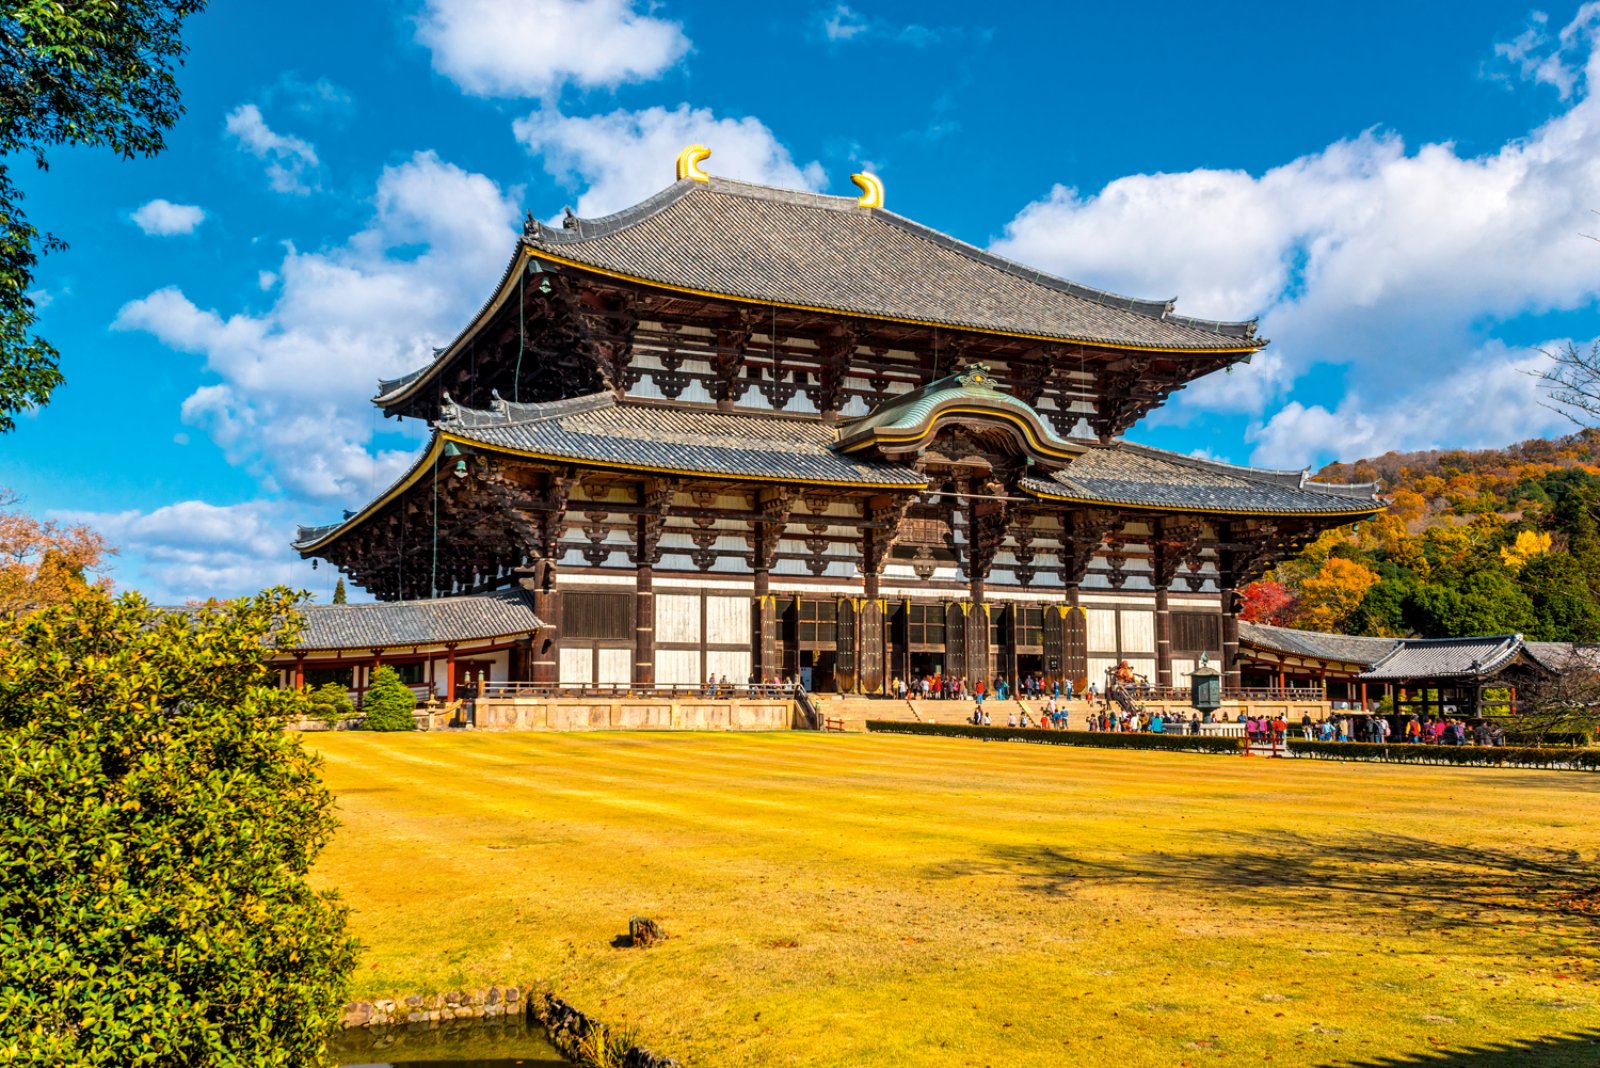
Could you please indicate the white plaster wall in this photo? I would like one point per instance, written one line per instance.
(728, 621)
(677, 618)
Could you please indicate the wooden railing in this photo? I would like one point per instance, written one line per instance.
(747, 690)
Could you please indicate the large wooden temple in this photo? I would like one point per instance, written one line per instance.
(752, 432)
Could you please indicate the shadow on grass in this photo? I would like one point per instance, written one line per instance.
(1557, 1051)
(1425, 884)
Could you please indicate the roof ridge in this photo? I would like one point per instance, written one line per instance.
(576, 228)
(502, 412)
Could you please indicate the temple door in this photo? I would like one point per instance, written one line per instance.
(1076, 644)
(955, 638)
(869, 630)
(978, 659)
(844, 664)
(1055, 632)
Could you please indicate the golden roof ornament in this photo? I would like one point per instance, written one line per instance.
(689, 163)
(871, 189)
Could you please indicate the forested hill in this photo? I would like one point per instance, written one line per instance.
(1494, 541)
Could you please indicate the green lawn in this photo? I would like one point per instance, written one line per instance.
(888, 900)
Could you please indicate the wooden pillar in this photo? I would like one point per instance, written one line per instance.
(1163, 638)
(765, 655)
(1363, 697)
(1230, 640)
(644, 626)
(450, 672)
(299, 672)
(545, 668)
(977, 636)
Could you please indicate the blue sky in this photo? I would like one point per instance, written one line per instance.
(1402, 196)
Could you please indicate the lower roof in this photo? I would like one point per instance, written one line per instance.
(391, 624)
(1344, 648)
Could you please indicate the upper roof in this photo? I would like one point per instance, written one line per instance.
(908, 421)
(1345, 648)
(1453, 658)
(1141, 477)
(387, 625)
(805, 250)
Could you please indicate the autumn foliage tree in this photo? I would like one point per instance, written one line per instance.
(43, 563)
(1330, 598)
(1268, 602)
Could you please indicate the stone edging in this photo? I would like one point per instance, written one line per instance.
(483, 1003)
(566, 1027)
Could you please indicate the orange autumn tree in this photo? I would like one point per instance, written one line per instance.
(1330, 597)
(44, 563)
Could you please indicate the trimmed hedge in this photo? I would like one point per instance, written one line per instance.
(1193, 743)
(1478, 756)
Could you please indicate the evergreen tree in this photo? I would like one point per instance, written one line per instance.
(159, 824)
(338, 591)
(388, 703)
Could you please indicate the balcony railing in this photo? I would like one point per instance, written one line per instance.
(749, 690)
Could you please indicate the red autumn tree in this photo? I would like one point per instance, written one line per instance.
(1267, 602)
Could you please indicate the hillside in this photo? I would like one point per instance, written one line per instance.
(1481, 542)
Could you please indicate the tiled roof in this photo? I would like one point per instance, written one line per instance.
(1446, 658)
(601, 430)
(1141, 477)
(759, 244)
(501, 614)
(1346, 648)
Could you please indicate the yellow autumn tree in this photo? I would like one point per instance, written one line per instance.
(43, 563)
(1528, 544)
(1331, 596)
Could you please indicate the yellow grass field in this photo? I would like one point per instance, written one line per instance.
(880, 900)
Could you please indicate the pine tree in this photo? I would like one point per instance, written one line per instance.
(388, 703)
(338, 591)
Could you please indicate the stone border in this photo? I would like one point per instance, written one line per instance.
(482, 1003)
(565, 1027)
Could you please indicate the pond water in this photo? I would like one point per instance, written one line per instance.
(459, 1044)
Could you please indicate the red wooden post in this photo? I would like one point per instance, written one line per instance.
(299, 672)
(1363, 697)
(450, 673)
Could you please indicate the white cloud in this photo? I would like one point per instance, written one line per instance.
(292, 384)
(1397, 265)
(192, 549)
(534, 47)
(291, 162)
(1535, 56)
(843, 23)
(163, 218)
(625, 156)
(1493, 398)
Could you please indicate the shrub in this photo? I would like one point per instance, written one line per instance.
(331, 704)
(1480, 755)
(1198, 743)
(156, 826)
(388, 703)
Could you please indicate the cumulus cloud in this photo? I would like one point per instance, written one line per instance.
(163, 218)
(1537, 55)
(534, 47)
(289, 399)
(844, 23)
(1398, 265)
(1491, 399)
(291, 162)
(192, 549)
(623, 157)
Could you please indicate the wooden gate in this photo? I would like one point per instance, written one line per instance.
(1055, 635)
(844, 657)
(955, 638)
(1076, 644)
(869, 630)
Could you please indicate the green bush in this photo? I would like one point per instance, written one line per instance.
(388, 703)
(1197, 743)
(1481, 755)
(331, 704)
(156, 826)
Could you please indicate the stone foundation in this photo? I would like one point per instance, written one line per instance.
(634, 714)
(484, 1003)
